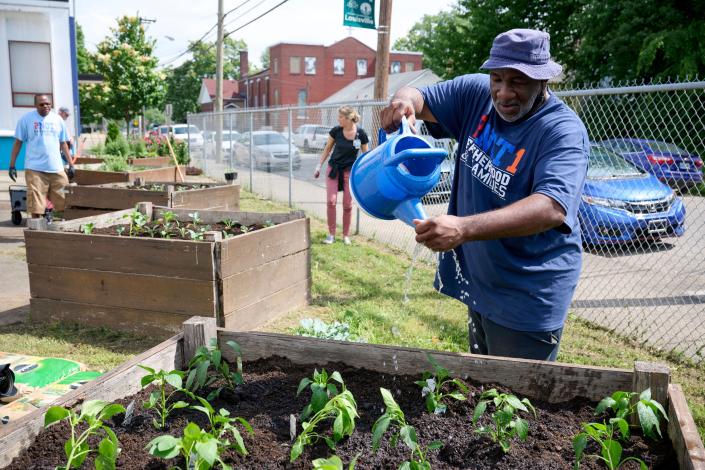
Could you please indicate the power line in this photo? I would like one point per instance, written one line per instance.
(260, 16)
(200, 40)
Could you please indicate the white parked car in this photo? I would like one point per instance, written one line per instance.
(185, 133)
(311, 137)
(270, 150)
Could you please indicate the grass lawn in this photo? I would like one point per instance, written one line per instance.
(362, 285)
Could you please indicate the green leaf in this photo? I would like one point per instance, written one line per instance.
(235, 347)
(81, 455)
(146, 380)
(92, 407)
(179, 404)
(408, 435)
(208, 450)
(645, 395)
(329, 442)
(605, 403)
(331, 463)
(457, 395)
(201, 373)
(515, 403)
(174, 380)
(656, 406)
(491, 393)
(463, 388)
(389, 400)
(337, 377)
(54, 414)
(612, 452)
(648, 420)
(623, 427)
(107, 449)
(338, 427)
(104, 463)
(296, 450)
(434, 445)
(319, 399)
(378, 430)
(305, 382)
(579, 444)
(479, 410)
(522, 428)
(111, 410)
(406, 465)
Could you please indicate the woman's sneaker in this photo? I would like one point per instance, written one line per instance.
(347, 241)
(329, 240)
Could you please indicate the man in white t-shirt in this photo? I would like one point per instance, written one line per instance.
(44, 134)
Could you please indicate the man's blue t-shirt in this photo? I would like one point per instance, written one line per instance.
(42, 137)
(522, 283)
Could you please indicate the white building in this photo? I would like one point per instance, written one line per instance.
(37, 55)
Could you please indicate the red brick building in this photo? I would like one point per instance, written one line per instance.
(231, 97)
(301, 74)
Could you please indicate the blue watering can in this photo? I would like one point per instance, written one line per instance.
(389, 181)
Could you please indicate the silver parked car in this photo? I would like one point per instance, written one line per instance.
(311, 137)
(270, 150)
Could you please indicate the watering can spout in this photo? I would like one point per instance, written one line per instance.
(408, 210)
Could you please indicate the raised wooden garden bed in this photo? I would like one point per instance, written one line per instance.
(145, 161)
(151, 285)
(551, 386)
(85, 201)
(93, 177)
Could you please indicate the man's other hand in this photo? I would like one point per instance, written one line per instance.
(441, 233)
(13, 173)
(70, 172)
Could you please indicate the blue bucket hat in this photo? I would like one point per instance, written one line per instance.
(525, 50)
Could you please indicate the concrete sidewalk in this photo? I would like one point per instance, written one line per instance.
(14, 280)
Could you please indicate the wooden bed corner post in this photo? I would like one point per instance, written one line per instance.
(170, 189)
(198, 332)
(146, 208)
(654, 376)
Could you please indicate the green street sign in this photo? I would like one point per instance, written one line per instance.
(359, 13)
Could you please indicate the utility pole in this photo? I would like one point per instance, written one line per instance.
(219, 85)
(382, 61)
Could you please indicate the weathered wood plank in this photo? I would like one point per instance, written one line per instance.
(73, 213)
(683, 432)
(198, 332)
(150, 161)
(105, 197)
(268, 308)
(224, 198)
(269, 243)
(132, 320)
(98, 221)
(93, 177)
(549, 381)
(130, 290)
(247, 287)
(173, 258)
(248, 218)
(118, 383)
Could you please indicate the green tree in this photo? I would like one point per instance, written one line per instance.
(130, 78)
(91, 96)
(184, 82)
(264, 58)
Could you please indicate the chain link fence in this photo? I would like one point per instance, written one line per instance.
(642, 211)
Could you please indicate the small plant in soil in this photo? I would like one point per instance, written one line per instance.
(505, 424)
(120, 229)
(200, 449)
(222, 426)
(137, 222)
(333, 463)
(205, 358)
(229, 223)
(648, 411)
(159, 400)
(88, 228)
(93, 414)
(610, 448)
(394, 416)
(195, 218)
(322, 390)
(433, 384)
(342, 408)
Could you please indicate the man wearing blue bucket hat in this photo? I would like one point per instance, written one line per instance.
(512, 221)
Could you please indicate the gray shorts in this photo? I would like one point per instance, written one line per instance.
(489, 338)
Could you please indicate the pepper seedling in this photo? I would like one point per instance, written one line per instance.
(222, 425)
(610, 448)
(93, 414)
(505, 424)
(433, 383)
(394, 416)
(333, 463)
(202, 361)
(343, 409)
(88, 228)
(322, 390)
(158, 399)
(200, 449)
(647, 410)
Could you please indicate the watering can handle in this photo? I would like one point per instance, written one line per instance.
(403, 129)
(434, 153)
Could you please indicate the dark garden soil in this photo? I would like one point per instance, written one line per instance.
(185, 231)
(268, 398)
(162, 187)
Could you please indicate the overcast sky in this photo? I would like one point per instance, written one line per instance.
(298, 21)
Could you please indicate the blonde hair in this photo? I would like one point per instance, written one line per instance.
(349, 113)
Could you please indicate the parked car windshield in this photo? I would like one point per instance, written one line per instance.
(665, 147)
(269, 139)
(603, 163)
(183, 130)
